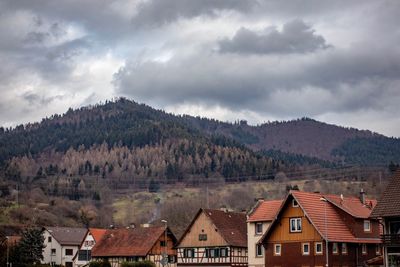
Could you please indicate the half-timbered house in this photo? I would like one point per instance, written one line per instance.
(258, 221)
(156, 244)
(84, 254)
(214, 238)
(388, 209)
(312, 229)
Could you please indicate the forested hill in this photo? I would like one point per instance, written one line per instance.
(124, 139)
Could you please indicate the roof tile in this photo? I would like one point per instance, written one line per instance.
(265, 211)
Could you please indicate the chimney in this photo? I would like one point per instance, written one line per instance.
(362, 196)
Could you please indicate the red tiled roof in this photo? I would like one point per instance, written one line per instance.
(127, 242)
(265, 211)
(389, 203)
(231, 225)
(97, 233)
(353, 205)
(332, 226)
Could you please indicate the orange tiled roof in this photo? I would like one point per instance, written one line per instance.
(265, 211)
(231, 225)
(127, 242)
(353, 205)
(97, 233)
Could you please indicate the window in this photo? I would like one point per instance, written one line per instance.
(344, 248)
(378, 250)
(162, 243)
(295, 225)
(188, 253)
(318, 248)
(294, 203)
(69, 252)
(335, 248)
(259, 228)
(364, 249)
(49, 239)
(53, 252)
(202, 237)
(171, 258)
(367, 226)
(84, 255)
(277, 249)
(305, 249)
(212, 253)
(223, 252)
(259, 250)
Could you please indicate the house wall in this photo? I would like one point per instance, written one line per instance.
(252, 240)
(87, 244)
(291, 256)
(202, 225)
(156, 252)
(47, 257)
(281, 232)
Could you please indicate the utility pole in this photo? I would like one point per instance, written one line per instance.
(326, 233)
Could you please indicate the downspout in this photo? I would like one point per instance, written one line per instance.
(357, 255)
(383, 247)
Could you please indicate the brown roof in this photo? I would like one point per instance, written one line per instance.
(334, 227)
(231, 225)
(265, 211)
(128, 242)
(67, 235)
(389, 203)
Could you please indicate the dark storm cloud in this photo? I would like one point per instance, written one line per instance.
(295, 37)
(349, 80)
(156, 13)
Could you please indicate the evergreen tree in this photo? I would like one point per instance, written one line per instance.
(30, 247)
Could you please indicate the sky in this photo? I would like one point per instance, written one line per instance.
(257, 60)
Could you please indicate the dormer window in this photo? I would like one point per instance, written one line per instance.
(367, 226)
(294, 203)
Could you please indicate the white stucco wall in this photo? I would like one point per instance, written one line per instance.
(252, 240)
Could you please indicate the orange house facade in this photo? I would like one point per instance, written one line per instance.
(313, 230)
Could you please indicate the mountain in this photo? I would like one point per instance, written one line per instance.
(126, 143)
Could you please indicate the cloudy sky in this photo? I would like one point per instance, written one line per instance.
(335, 61)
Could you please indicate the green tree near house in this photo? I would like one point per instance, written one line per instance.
(29, 250)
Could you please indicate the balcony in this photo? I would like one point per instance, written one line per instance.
(391, 239)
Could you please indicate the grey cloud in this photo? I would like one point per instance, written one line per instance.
(295, 37)
(155, 13)
(345, 80)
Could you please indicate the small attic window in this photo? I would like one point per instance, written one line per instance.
(295, 204)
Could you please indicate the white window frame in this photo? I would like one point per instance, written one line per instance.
(295, 204)
(344, 248)
(262, 253)
(367, 229)
(297, 225)
(256, 228)
(275, 250)
(364, 249)
(322, 248)
(303, 252)
(335, 248)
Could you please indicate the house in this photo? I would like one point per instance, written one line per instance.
(61, 244)
(388, 209)
(214, 237)
(155, 244)
(84, 254)
(313, 229)
(258, 221)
